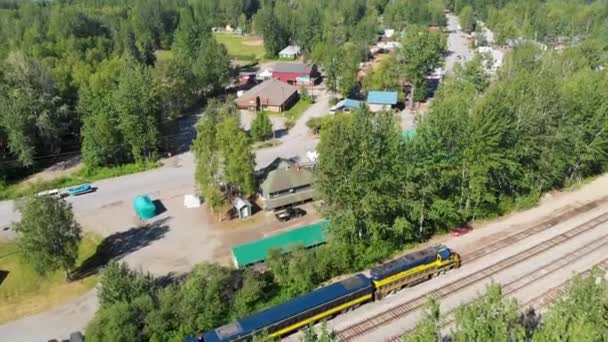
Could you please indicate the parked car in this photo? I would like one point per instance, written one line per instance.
(53, 193)
(460, 231)
(79, 190)
(289, 214)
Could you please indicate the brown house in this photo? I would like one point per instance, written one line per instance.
(271, 95)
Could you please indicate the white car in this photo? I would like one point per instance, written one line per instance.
(53, 193)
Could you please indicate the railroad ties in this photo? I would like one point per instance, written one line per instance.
(362, 328)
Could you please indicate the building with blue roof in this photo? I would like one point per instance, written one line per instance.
(301, 311)
(382, 100)
(345, 105)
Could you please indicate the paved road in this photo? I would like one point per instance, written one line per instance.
(178, 173)
(458, 44)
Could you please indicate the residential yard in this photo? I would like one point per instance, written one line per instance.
(293, 114)
(23, 292)
(248, 48)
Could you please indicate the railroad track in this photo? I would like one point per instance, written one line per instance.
(381, 319)
(541, 272)
(533, 230)
(548, 297)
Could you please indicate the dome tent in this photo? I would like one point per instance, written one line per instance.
(144, 207)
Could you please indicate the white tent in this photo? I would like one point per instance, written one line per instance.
(192, 201)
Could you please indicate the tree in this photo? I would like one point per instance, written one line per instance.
(420, 53)
(120, 284)
(136, 102)
(121, 321)
(212, 65)
(325, 335)
(357, 176)
(255, 289)
(490, 318)
(48, 234)
(581, 314)
(238, 159)
(261, 127)
(349, 57)
(467, 19)
(428, 329)
(31, 113)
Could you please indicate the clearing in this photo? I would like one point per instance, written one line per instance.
(23, 292)
(247, 48)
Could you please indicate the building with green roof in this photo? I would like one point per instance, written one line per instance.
(257, 251)
(286, 185)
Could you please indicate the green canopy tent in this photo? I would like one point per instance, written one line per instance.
(144, 207)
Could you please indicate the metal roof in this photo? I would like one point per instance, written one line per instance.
(286, 177)
(296, 68)
(257, 251)
(278, 313)
(239, 203)
(290, 50)
(272, 93)
(382, 97)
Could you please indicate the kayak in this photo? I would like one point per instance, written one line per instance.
(79, 190)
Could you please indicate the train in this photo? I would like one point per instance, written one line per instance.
(328, 301)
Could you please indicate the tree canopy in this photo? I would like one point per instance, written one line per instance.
(48, 235)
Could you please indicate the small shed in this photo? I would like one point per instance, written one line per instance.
(242, 207)
(144, 207)
(290, 52)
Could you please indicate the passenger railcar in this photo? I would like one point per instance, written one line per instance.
(333, 299)
(298, 313)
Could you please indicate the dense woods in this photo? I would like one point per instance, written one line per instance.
(94, 76)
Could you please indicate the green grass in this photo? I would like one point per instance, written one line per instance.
(238, 47)
(294, 113)
(85, 175)
(24, 292)
(164, 55)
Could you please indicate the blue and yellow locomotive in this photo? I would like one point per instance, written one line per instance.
(328, 301)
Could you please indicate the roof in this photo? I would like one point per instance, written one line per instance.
(289, 309)
(290, 50)
(382, 97)
(257, 251)
(272, 93)
(348, 103)
(405, 262)
(289, 198)
(296, 68)
(239, 203)
(286, 176)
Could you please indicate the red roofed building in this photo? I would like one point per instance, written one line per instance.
(294, 73)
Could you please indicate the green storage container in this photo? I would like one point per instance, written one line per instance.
(144, 207)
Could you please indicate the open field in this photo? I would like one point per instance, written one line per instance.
(242, 47)
(24, 292)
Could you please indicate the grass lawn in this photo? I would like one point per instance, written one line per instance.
(242, 47)
(23, 292)
(19, 189)
(164, 55)
(296, 111)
